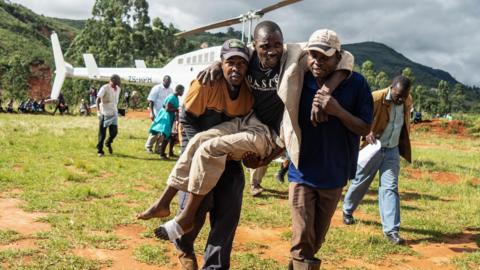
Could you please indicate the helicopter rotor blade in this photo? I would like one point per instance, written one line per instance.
(210, 26)
(276, 6)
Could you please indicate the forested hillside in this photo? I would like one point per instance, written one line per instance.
(119, 32)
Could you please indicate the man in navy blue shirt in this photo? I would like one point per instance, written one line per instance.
(328, 152)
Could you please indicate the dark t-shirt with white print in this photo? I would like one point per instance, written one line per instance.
(267, 104)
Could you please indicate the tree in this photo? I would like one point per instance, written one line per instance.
(407, 72)
(119, 32)
(369, 74)
(420, 96)
(14, 76)
(458, 98)
(382, 80)
(443, 94)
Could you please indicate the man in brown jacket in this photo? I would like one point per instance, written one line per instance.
(391, 127)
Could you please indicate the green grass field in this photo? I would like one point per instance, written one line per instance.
(87, 205)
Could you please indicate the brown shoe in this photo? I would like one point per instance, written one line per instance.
(313, 264)
(188, 261)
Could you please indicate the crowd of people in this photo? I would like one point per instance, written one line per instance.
(27, 106)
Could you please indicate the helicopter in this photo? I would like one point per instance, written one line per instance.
(182, 68)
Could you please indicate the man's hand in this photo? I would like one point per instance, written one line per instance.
(251, 160)
(370, 138)
(210, 74)
(328, 103)
(317, 115)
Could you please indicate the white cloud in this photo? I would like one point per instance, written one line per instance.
(439, 33)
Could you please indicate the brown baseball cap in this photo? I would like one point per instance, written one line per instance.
(234, 47)
(325, 41)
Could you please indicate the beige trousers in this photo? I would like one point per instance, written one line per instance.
(202, 163)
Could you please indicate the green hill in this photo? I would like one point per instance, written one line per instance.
(393, 62)
(28, 34)
(26, 59)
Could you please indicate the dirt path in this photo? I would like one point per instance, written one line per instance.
(124, 258)
(12, 217)
(268, 243)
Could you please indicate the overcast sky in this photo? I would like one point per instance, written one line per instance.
(442, 34)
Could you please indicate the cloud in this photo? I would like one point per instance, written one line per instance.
(439, 33)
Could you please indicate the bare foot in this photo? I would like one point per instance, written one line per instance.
(154, 211)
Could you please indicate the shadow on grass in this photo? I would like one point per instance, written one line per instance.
(411, 208)
(471, 235)
(133, 137)
(409, 196)
(283, 195)
(142, 158)
(424, 164)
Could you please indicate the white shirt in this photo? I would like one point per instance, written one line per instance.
(109, 97)
(157, 95)
(391, 134)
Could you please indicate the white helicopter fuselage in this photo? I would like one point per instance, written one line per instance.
(182, 69)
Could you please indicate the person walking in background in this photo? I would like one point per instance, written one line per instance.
(162, 125)
(10, 106)
(107, 102)
(391, 128)
(84, 108)
(155, 98)
(92, 95)
(126, 99)
(62, 105)
(134, 98)
(256, 176)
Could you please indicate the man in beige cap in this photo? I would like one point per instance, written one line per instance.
(323, 156)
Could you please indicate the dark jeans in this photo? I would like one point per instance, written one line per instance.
(102, 133)
(224, 203)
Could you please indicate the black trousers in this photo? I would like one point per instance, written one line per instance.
(102, 133)
(224, 203)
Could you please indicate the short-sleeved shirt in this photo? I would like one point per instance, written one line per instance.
(329, 152)
(209, 100)
(206, 106)
(267, 105)
(157, 95)
(109, 97)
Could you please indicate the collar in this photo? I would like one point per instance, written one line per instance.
(388, 97)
